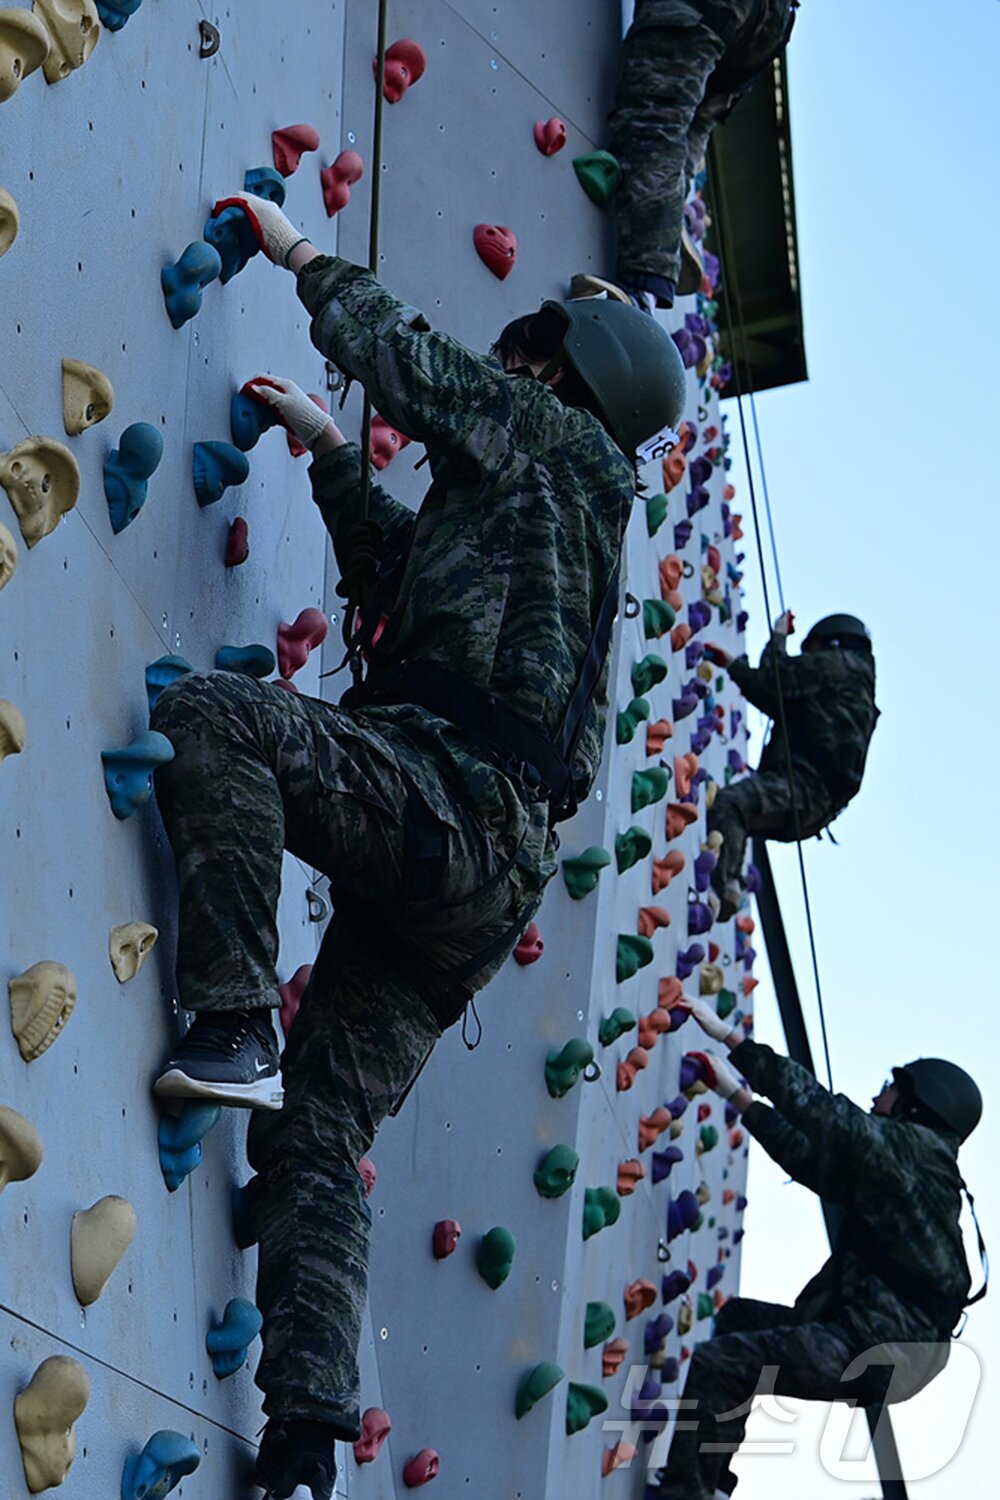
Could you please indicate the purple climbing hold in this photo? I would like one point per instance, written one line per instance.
(665, 1161)
(682, 1213)
(684, 705)
(678, 1106)
(700, 470)
(751, 879)
(682, 535)
(670, 1370)
(687, 962)
(674, 1285)
(699, 614)
(693, 653)
(700, 918)
(703, 867)
(700, 742)
(690, 347)
(714, 1276)
(698, 325)
(697, 499)
(654, 1336)
(741, 621)
(741, 1203)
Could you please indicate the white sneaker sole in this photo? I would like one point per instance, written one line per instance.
(266, 1093)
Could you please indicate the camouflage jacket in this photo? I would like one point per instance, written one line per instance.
(897, 1181)
(829, 703)
(504, 567)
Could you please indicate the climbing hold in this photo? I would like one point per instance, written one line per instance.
(613, 1356)
(657, 618)
(656, 513)
(706, 1307)
(708, 1139)
(649, 787)
(710, 979)
(10, 221)
(253, 661)
(628, 721)
(129, 946)
(385, 442)
(536, 1384)
(20, 1147)
(581, 873)
(674, 1285)
(679, 637)
(598, 1324)
(266, 183)
(631, 954)
(229, 231)
(184, 281)
(290, 144)
(638, 1296)
(631, 846)
(618, 1457)
(714, 1275)
(291, 995)
(651, 918)
(237, 543)
(703, 867)
(530, 947)
(748, 984)
(634, 1063)
(582, 1403)
(599, 174)
(179, 1139)
(165, 1460)
(99, 1237)
(128, 773)
(495, 1256)
(337, 180)
(615, 1025)
(376, 1426)
(41, 1002)
(685, 767)
(496, 246)
(550, 135)
(699, 918)
(725, 1004)
(556, 1172)
(444, 1242)
(404, 65)
(656, 1331)
(651, 1127)
(297, 640)
(88, 396)
(114, 13)
(680, 815)
(684, 1210)
(161, 673)
(630, 1173)
(24, 46)
(656, 736)
(228, 1342)
(665, 1161)
(688, 960)
(647, 673)
(215, 467)
(421, 1468)
(44, 1413)
(564, 1065)
(652, 1027)
(127, 469)
(665, 869)
(12, 729)
(250, 414)
(41, 478)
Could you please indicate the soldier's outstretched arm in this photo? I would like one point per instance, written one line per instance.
(335, 475)
(794, 1152)
(800, 677)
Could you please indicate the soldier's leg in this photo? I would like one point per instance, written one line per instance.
(757, 806)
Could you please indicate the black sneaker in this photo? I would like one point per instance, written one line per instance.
(295, 1454)
(228, 1056)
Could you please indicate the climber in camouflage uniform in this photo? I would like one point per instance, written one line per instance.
(825, 699)
(427, 797)
(874, 1324)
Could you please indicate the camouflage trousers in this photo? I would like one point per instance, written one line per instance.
(666, 106)
(764, 805)
(258, 769)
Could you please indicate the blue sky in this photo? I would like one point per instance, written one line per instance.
(884, 493)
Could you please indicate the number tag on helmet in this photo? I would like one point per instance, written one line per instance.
(658, 446)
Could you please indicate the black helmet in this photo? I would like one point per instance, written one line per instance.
(630, 363)
(946, 1090)
(835, 630)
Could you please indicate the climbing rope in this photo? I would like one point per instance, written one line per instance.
(745, 382)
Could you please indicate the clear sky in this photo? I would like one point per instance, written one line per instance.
(884, 490)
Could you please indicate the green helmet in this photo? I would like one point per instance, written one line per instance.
(946, 1090)
(832, 627)
(630, 363)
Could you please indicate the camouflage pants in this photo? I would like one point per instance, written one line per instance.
(258, 769)
(761, 805)
(666, 107)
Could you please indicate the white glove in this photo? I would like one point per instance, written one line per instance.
(784, 624)
(713, 1025)
(298, 412)
(723, 1080)
(276, 235)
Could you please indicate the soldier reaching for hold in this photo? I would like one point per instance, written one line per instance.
(427, 797)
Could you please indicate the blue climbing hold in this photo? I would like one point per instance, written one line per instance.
(128, 773)
(114, 13)
(184, 281)
(231, 234)
(166, 1459)
(179, 1140)
(126, 472)
(249, 416)
(266, 183)
(252, 661)
(215, 467)
(161, 673)
(228, 1343)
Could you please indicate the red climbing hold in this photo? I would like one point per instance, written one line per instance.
(405, 62)
(550, 135)
(651, 918)
(296, 641)
(713, 953)
(496, 246)
(290, 143)
(237, 543)
(385, 442)
(447, 1233)
(421, 1468)
(531, 947)
(748, 984)
(295, 447)
(337, 180)
(704, 1110)
(291, 995)
(376, 1426)
(638, 1296)
(368, 1174)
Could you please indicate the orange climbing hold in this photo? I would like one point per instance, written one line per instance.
(671, 990)
(735, 1138)
(651, 1127)
(652, 1026)
(749, 984)
(385, 442)
(651, 918)
(629, 1173)
(746, 925)
(674, 468)
(613, 1356)
(638, 1296)
(680, 815)
(290, 143)
(637, 1059)
(657, 735)
(666, 868)
(679, 636)
(685, 767)
(618, 1457)
(671, 570)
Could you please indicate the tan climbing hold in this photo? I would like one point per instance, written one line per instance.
(710, 979)
(41, 1002)
(44, 1413)
(10, 221)
(11, 729)
(88, 396)
(129, 946)
(24, 46)
(8, 556)
(74, 28)
(98, 1240)
(42, 479)
(20, 1147)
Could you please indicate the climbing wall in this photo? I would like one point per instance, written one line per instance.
(568, 1127)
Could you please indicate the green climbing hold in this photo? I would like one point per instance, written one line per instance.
(628, 722)
(601, 1208)
(495, 1256)
(615, 1025)
(599, 175)
(536, 1384)
(649, 787)
(582, 1403)
(564, 1065)
(631, 846)
(647, 673)
(657, 618)
(554, 1175)
(725, 1003)
(706, 1307)
(708, 1137)
(598, 1324)
(633, 953)
(581, 873)
(656, 512)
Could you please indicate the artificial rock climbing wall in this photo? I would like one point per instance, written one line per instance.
(567, 1127)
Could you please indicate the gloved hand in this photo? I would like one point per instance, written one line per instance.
(785, 623)
(276, 235)
(723, 1080)
(712, 1024)
(717, 655)
(297, 411)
